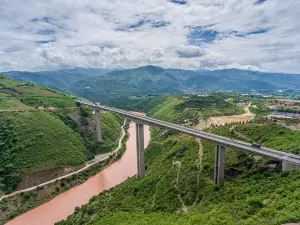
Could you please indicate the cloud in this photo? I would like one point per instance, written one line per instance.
(181, 2)
(195, 34)
(189, 51)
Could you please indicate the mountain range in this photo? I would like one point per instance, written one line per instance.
(102, 85)
(59, 79)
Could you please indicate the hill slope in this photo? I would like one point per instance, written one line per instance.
(60, 79)
(178, 187)
(156, 80)
(143, 80)
(41, 129)
(104, 84)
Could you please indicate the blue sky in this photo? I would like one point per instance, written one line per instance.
(189, 34)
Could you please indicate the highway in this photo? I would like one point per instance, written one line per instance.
(223, 141)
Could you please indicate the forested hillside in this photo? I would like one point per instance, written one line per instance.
(60, 79)
(106, 85)
(178, 187)
(149, 80)
(41, 130)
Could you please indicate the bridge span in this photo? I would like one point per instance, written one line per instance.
(289, 161)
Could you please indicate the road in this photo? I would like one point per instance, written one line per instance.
(226, 142)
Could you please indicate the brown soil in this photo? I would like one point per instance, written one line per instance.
(9, 91)
(30, 180)
(221, 120)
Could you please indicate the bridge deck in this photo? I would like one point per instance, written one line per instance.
(223, 141)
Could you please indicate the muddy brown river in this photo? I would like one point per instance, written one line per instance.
(64, 204)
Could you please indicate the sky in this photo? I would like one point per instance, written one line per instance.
(259, 35)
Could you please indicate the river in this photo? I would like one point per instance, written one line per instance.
(64, 204)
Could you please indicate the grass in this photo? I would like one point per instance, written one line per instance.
(12, 103)
(49, 101)
(21, 203)
(178, 178)
(21, 93)
(9, 83)
(4, 95)
(254, 197)
(36, 91)
(83, 122)
(212, 105)
(28, 146)
(167, 112)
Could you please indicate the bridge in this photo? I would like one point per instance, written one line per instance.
(288, 161)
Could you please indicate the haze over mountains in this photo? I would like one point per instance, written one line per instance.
(102, 84)
(59, 79)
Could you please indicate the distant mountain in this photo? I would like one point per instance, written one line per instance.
(60, 79)
(103, 84)
(156, 80)
(142, 80)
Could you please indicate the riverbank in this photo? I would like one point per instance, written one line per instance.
(88, 165)
(64, 204)
(25, 200)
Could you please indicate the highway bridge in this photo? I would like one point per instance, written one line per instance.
(289, 161)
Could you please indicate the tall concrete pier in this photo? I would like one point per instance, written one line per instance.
(98, 125)
(289, 161)
(219, 165)
(140, 150)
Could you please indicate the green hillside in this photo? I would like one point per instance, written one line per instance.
(155, 80)
(106, 85)
(28, 146)
(23, 95)
(178, 187)
(35, 137)
(143, 80)
(60, 79)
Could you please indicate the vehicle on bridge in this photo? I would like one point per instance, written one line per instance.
(256, 145)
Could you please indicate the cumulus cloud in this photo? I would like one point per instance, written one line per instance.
(189, 51)
(195, 34)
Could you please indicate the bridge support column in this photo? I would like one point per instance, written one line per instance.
(219, 165)
(286, 166)
(98, 125)
(140, 150)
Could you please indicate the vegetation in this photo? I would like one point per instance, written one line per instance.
(178, 187)
(12, 103)
(211, 105)
(27, 145)
(57, 102)
(60, 79)
(23, 202)
(176, 181)
(155, 80)
(21, 95)
(27, 137)
(259, 107)
(143, 103)
(83, 122)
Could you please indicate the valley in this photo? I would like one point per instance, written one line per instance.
(43, 137)
(105, 85)
(150, 112)
(178, 187)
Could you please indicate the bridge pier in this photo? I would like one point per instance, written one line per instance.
(219, 165)
(140, 150)
(286, 166)
(98, 125)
